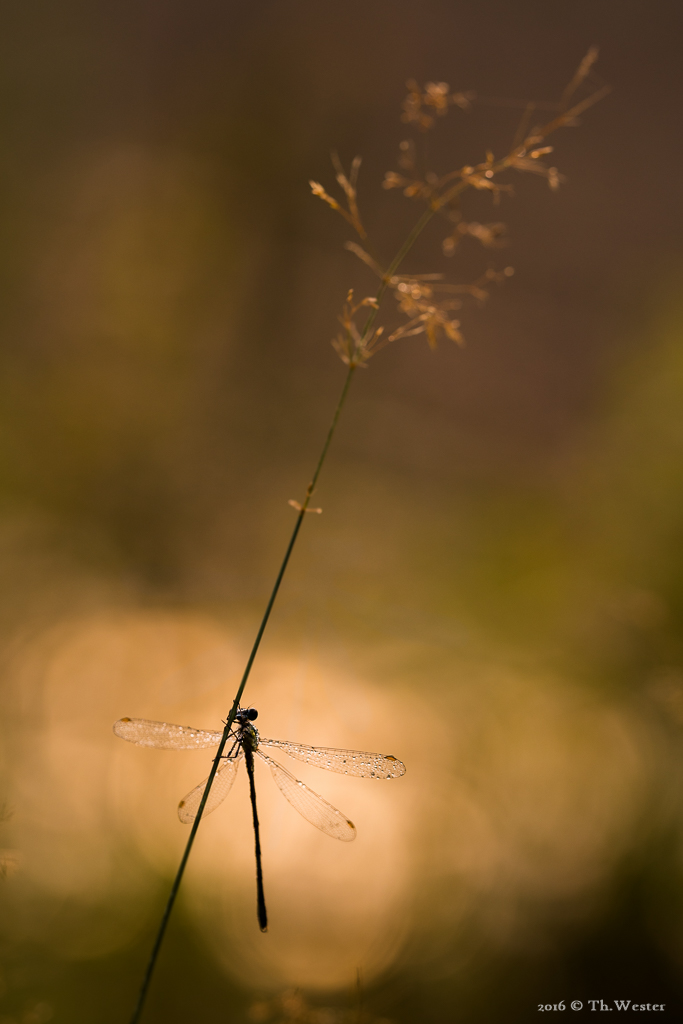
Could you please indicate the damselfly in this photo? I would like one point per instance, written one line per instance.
(246, 743)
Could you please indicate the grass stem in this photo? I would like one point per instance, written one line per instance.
(393, 267)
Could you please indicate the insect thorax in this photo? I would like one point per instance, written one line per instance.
(249, 736)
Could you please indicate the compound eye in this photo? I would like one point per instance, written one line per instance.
(252, 714)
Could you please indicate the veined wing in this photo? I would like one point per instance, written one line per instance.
(346, 762)
(309, 804)
(161, 734)
(222, 784)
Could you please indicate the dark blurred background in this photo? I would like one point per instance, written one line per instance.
(493, 591)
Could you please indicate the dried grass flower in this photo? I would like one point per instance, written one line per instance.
(426, 300)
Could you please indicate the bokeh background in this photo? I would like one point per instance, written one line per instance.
(493, 592)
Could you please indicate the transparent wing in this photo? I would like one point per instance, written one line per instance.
(161, 734)
(346, 762)
(311, 806)
(222, 784)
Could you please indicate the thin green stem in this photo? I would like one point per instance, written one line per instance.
(235, 706)
(393, 267)
(405, 249)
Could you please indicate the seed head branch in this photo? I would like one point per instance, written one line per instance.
(348, 184)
